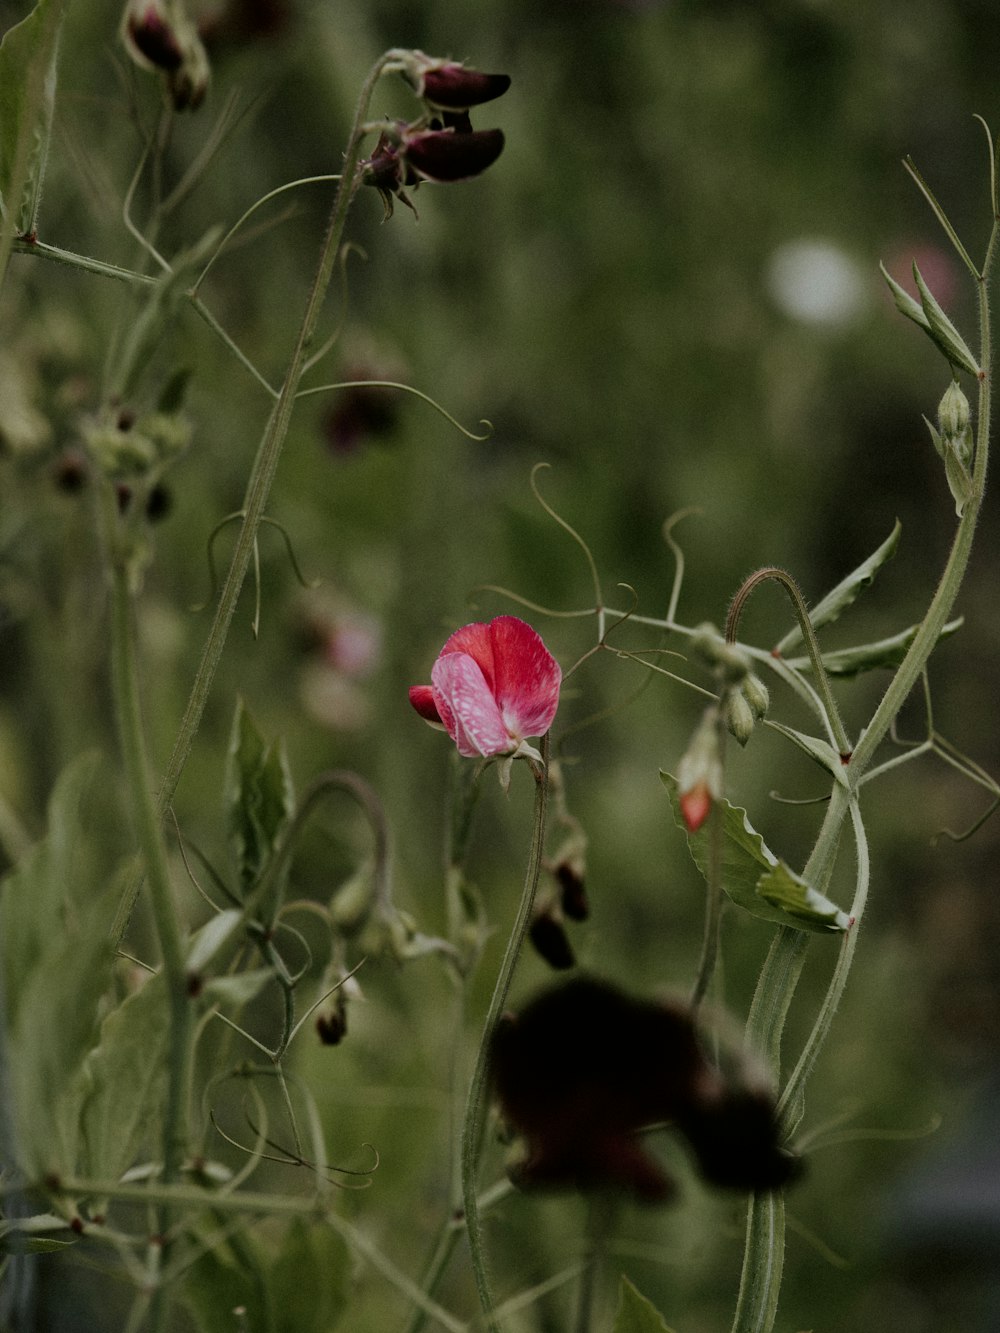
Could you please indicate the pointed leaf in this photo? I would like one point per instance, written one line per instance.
(841, 597)
(56, 909)
(240, 988)
(125, 1077)
(869, 656)
(746, 861)
(27, 98)
(636, 1314)
(818, 750)
(213, 935)
(781, 887)
(905, 303)
(959, 480)
(943, 331)
(258, 797)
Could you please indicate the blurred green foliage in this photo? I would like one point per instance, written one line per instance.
(605, 296)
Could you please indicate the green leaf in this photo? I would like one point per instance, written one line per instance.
(932, 319)
(747, 862)
(310, 1280)
(905, 303)
(943, 331)
(781, 887)
(125, 1076)
(258, 792)
(869, 656)
(56, 909)
(636, 1314)
(240, 988)
(845, 593)
(28, 55)
(959, 480)
(205, 943)
(35, 1235)
(818, 750)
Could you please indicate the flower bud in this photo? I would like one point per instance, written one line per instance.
(548, 935)
(954, 441)
(572, 889)
(160, 36)
(954, 413)
(730, 661)
(449, 155)
(699, 773)
(738, 716)
(450, 86)
(756, 694)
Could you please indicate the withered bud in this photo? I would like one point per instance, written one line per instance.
(572, 891)
(332, 1027)
(548, 935)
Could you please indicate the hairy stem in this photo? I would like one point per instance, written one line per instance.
(475, 1112)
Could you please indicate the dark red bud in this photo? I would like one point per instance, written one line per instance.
(383, 169)
(455, 88)
(70, 473)
(447, 155)
(159, 503)
(551, 942)
(332, 1028)
(572, 892)
(156, 40)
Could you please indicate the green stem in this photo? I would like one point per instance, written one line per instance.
(149, 831)
(761, 1277)
(264, 467)
(475, 1111)
(773, 573)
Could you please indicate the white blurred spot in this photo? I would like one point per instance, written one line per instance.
(816, 282)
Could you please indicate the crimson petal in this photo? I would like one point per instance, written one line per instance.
(526, 684)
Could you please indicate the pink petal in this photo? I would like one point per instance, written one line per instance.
(474, 640)
(527, 677)
(422, 699)
(467, 707)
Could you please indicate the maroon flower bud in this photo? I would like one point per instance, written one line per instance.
(332, 1028)
(572, 891)
(452, 87)
(548, 935)
(155, 39)
(449, 155)
(70, 473)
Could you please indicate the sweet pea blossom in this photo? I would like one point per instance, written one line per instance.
(492, 686)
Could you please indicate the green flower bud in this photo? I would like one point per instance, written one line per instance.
(738, 716)
(756, 694)
(954, 413)
(731, 662)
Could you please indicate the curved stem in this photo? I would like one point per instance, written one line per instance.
(773, 573)
(475, 1111)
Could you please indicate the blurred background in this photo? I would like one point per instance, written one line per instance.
(667, 289)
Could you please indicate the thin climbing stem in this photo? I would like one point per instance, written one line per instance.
(264, 467)
(475, 1112)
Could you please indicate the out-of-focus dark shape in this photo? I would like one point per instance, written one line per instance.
(584, 1068)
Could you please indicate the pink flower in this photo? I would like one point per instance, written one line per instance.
(492, 686)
